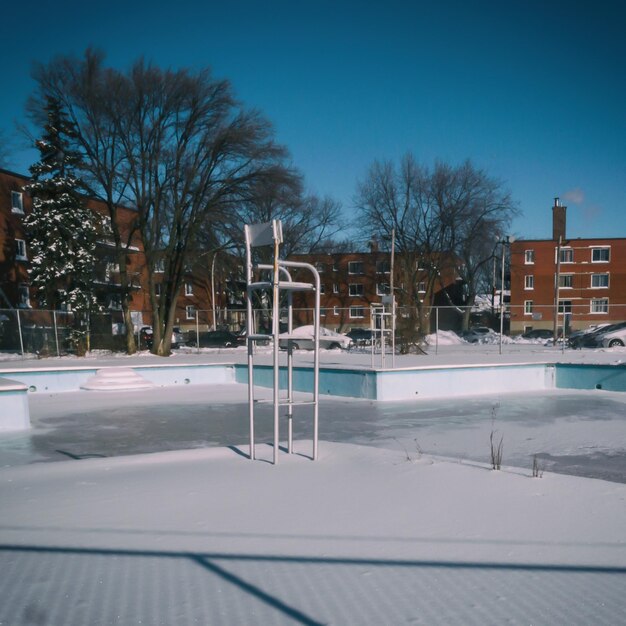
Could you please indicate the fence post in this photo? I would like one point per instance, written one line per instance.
(197, 334)
(19, 328)
(56, 334)
(436, 330)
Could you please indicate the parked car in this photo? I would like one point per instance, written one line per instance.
(215, 339)
(615, 338)
(538, 333)
(477, 334)
(594, 338)
(302, 339)
(360, 336)
(575, 338)
(146, 336)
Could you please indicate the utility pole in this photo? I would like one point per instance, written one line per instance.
(557, 280)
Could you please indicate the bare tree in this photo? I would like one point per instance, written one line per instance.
(445, 221)
(308, 220)
(475, 212)
(399, 199)
(175, 146)
(4, 148)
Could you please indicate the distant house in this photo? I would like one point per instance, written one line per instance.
(583, 281)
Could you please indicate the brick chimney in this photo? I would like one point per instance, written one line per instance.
(558, 220)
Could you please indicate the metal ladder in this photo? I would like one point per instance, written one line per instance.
(280, 282)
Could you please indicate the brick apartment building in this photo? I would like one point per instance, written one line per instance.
(591, 279)
(352, 282)
(15, 291)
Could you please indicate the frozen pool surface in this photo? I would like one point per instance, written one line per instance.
(582, 433)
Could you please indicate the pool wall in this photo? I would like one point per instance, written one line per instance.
(71, 378)
(462, 381)
(398, 384)
(14, 413)
(583, 376)
(411, 383)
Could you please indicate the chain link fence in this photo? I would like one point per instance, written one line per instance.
(59, 333)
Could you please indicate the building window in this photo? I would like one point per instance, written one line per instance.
(529, 282)
(189, 289)
(382, 289)
(600, 255)
(322, 288)
(529, 257)
(190, 312)
(17, 204)
(114, 302)
(335, 288)
(23, 296)
(20, 250)
(528, 307)
(159, 266)
(355, 267)
(320, 267)
(567, 255)
(335, 266)
(355, 289)
(599, 281)
(322, 311)
(565, 306)
(336, 311)
(111, 268)
(157, 289)
(357, 312)
(599, 305)
(421, 287)
(382, 267)
(566, 281)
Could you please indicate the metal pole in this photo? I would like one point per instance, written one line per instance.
(316, 364)
(197, 333)
(436, 330)
(393, 331)
(213, 288)
(276, 333)
(19, 328)
(557, 280)
(56, 334)
(290, 374)
(503, 242)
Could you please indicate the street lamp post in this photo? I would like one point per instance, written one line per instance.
(504, 242)
(213, 288)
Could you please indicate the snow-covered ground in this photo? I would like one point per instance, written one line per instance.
(177, 526)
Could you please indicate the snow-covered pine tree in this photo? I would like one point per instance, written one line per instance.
(61, 230)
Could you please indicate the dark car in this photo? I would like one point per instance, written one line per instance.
(146, 336)
(593, 339)
(361, 336)
(215, 339)
(538, 333)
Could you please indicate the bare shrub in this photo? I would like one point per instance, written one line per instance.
(496, 447)
(537, 468)
(408, 457)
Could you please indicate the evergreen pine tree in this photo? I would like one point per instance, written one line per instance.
(61, 230)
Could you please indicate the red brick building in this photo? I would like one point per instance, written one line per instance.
(16, 294)
(352, 282)
(590, 272)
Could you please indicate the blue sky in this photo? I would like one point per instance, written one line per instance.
(533, 92)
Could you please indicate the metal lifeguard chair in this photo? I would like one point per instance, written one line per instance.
(275, 279)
